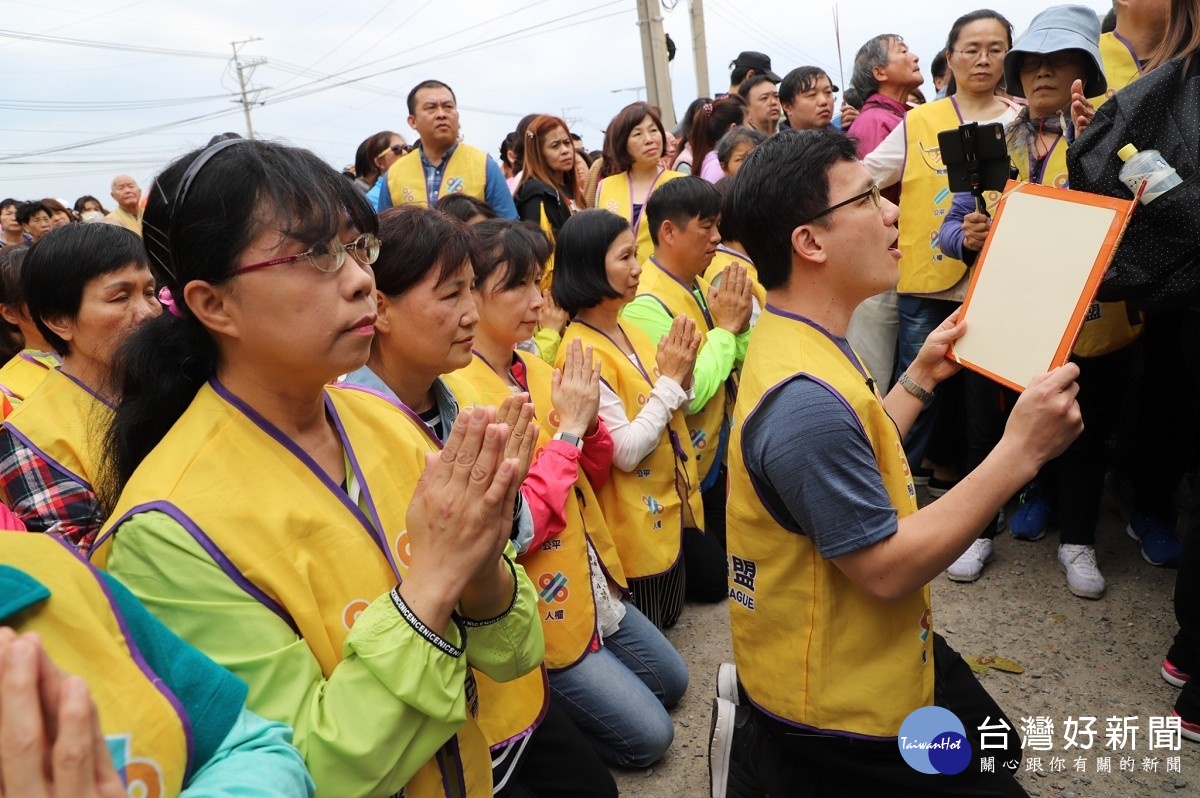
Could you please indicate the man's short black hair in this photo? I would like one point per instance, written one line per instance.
(748, 85)
(693, 198)
(59, 266)
(937, 67)
(800, 80)
(782, 184)
(426, 84)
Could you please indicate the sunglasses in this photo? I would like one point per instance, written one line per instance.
(397, 150)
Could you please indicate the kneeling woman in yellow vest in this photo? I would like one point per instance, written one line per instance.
(259, 515)
(633, 149)
(87, 287)
(24, 372)
(611, 670)
(423, 282)
(653, 491)
(113, 699)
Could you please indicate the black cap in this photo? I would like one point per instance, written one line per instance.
(760, 63)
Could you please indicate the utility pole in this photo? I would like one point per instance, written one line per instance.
(244, 71)
(699, 48)
(654, 60)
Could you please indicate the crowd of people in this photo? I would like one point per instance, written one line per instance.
(392, 481)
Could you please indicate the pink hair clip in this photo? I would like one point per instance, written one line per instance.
(708, 109)
(168, 302)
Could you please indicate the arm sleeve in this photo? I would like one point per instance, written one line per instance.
(546, 487)
(951, 236)
(530, 209)
(413, 692)
(822, 473)
(634, 440)
(383, 197)
(496, 192)
(597, 456)
(886, 162)
(256, 758)
(547, 342)
(44, 498)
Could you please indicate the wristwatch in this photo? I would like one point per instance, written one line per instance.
(910, 385)
(570, 438)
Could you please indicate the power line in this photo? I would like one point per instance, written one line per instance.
(97, 45)
(60, 106)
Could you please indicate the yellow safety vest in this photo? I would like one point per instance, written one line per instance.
(812, 648)
(647, 508)
(1120, 65)
(83, 631)
(315, 559)
(615, 194)
(725, 257)
(22, 375)
(65, 423)
(559, 567)
(1107, 326)
(466, 173)
(925, 199)
(509, 710)
(704, 428)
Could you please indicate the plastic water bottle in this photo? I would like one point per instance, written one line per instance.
(1149, 167)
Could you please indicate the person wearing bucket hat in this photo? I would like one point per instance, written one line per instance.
(1057, 59)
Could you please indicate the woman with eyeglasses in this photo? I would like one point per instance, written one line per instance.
(932, 284)
(258, 514)
(1058, 55)
(87, 288)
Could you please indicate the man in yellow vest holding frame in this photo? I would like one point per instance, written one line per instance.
(830, 558)
(683, 222)
(440, 164)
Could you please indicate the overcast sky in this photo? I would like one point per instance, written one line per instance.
(131, 73)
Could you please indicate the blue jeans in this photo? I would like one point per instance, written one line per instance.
(618, 695)
(918, 318)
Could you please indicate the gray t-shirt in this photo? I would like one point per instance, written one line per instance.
(815, 469)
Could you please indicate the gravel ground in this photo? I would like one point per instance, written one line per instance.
(1081, 658)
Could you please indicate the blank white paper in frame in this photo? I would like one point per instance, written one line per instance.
(1030, 284)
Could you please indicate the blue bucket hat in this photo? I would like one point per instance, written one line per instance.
(1055, 29)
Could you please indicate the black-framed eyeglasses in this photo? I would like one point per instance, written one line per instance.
(397, 150)
(872, 192)
(328, 257)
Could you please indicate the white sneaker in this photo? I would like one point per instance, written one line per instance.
(1083, 577)
(727, 682)
(969, 565)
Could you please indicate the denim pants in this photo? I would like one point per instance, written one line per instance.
(618, 695)
(918, 318)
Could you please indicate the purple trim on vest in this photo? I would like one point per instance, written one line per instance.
(140, 661)
(399, 405)
(287, 443)
(50, 461)
(636, 361)
(214, 551)
(636, 227)
(90, 392)
(691, 290)
(500, 746)
(459, 784)
(734, 253)
(34, 360)
(772, 309)
(1137, 62)
(816, 730)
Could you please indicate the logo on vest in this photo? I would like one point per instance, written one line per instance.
(699, 440)
(402, 549)
(641, 399)
(933, 740)
(553, 587)
(653, 505)
(351, 612)
(932, 156)
(408, 196)
(612, 206)
(1093, 312)
(553, 419)
(143, 778)
(744, 574)
(455, 185)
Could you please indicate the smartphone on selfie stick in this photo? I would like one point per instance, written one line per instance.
(976, 160)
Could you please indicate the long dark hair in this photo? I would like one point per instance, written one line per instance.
(956, 31)
(1182, 35)
(205, 209)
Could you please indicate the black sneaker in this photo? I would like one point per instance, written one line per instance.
(729, 764)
